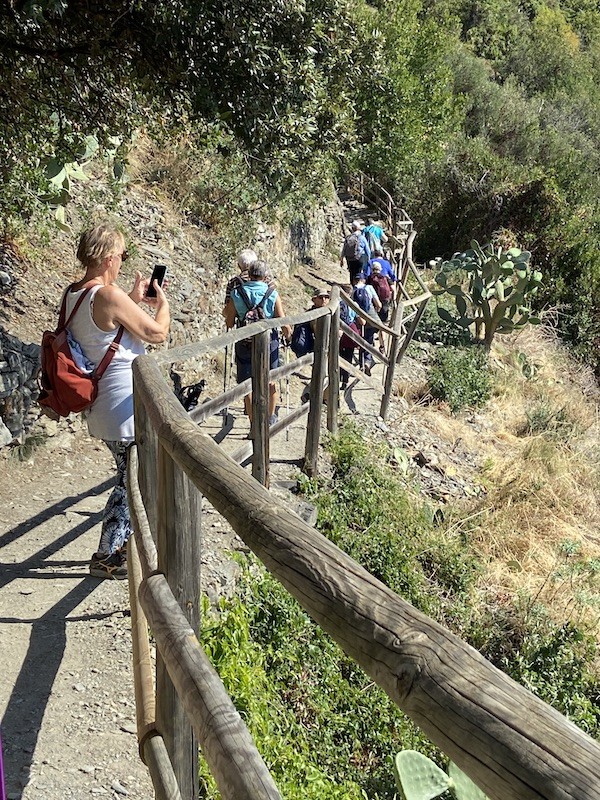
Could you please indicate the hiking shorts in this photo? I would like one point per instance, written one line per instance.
(384, 311)
(243, 357)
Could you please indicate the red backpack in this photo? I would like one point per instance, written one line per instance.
(64, 387)
(381, 285)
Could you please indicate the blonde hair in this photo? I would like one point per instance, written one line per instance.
(97, 243)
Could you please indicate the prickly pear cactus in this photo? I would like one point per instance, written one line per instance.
(462, 786)
(418, 778)
(490, 287)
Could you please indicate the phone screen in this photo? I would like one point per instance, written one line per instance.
(158, 273)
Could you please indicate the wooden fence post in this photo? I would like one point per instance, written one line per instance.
(319, 371)
(147, 446)
(411, 329)
(261, 364)
(179, 552)
(397, 315)
(333, 398)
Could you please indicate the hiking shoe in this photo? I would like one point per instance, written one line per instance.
(274, 419)
(367, 370)
(112, 566)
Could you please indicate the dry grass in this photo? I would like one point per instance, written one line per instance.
(539, 447)
(542, 512)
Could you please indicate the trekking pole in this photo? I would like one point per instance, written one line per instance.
(287, 390)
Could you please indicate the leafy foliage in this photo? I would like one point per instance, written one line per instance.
(273, 75)
(461, 377)
(294, 686)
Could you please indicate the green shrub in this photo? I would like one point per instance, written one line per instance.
(461, 377)
(544, 419)
(555, 662)
(432, 328)
(325, 730)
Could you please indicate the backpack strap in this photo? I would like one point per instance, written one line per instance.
(246, 299)
(112, 347)
(109, 355)
(267, 294)
(244, 295)
(63, 306)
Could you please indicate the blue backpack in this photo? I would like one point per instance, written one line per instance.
(362, 297)
(303, 339)
(345, 312)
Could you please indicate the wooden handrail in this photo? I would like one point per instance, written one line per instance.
(197, 349)
(232, 756)
(512, 744)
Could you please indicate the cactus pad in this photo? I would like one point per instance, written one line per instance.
(463, 787)
(418, 777)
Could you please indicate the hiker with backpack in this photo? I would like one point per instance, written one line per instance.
(303, 337)
(245, 259)
(375, 236)
(366, 297)
(348, 345)
(384, 292)
(386, 269)
(355, 251)
(102, 316)
(250, 301)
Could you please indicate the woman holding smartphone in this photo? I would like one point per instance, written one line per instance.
(109, 316)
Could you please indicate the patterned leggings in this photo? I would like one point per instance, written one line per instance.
(116, 525)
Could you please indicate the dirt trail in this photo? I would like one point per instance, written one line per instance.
(66, 691)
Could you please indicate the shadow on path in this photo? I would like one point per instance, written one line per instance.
(52, 511)
(27, 704)
(34, 685)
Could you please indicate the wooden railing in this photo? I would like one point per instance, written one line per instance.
(395, 219)
(509, 742)
(398, 225)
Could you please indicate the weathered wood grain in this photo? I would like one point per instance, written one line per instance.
(511, 743)
(232, 757)
(179, 558)
(206, 346)
(147, 445)
(159, 766)
(153, 751)
(397, 314)
(260, 406)
(146, 547)
(333, 365)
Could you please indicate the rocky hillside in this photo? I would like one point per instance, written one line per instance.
(539, 429)
(36, 267)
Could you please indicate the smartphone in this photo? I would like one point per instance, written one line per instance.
(158, 273)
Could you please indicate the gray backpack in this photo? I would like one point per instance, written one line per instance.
(353, 247)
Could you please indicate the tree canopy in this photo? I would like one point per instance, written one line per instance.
(481, 116)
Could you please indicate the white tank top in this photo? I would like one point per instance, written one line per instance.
(111, 416)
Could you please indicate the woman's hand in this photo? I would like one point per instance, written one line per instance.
(161, 298)
(140, 287)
